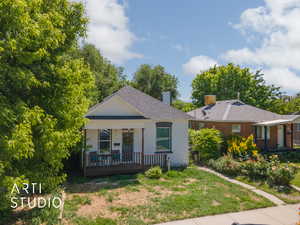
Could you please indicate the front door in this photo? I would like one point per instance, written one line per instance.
(280, 136)
(127, 146)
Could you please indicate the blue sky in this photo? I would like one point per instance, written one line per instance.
(188, 36)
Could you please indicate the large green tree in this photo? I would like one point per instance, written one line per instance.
(227, 81)
(109, 78)
(155, 80)
(43, 91)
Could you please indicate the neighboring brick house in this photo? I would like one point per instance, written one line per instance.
(236, 117)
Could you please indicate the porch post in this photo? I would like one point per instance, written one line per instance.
(143, 147)
(284, 135)
(255, 134)
(266, 138)
(292, 135)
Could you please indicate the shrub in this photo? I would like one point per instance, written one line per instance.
(226, 165)
(279, 174)
(242, 148)
(207, 142)
(255, 169)
(154, 173)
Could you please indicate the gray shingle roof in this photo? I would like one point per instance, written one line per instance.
(150, 107)
(235, 110)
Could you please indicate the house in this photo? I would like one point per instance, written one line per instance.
(270, 130)
(130, 131)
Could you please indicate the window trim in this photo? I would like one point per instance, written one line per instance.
(164, 125)
(110, 141)
(262, 137)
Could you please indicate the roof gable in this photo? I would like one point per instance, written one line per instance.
(143, 104)
(114, 106)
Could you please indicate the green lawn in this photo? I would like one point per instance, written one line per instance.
(288, 195)
(137, 200)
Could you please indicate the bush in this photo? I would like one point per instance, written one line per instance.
(207, 142)
(154, 173)
(226, 165)
(242, 148)
(279, 174)
(255, 169)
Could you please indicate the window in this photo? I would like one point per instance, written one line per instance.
(104, 143)
(236, 128)
(163, 137)
(297, 125)
(196, 125)
(261, 132)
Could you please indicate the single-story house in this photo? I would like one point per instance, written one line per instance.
(271, 131)
(130, 131)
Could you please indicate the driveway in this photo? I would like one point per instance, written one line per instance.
(279, 215)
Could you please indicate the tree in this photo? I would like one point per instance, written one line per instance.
(108, 77)
(227, 81)
(154, 80)
(183, 106)
(43, 91)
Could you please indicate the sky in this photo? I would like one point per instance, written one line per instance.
(187, 37)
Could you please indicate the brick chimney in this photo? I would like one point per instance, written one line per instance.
(210, 99)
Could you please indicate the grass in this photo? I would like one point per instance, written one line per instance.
(137, 200)
(286, 194)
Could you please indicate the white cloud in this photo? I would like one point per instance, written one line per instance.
(197, 64)
(108, 30)
(276, 26)
(284, 78)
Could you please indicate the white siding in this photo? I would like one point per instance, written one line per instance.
(114, 107)
(179, 155)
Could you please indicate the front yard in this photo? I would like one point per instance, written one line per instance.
(139, 200)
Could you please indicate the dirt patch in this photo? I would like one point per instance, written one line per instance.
(100, 206)
(215, 203)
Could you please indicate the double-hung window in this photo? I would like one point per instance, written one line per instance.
(297, 125)
(163, 137)
(236, 128)
(104, 142)
(261, 132)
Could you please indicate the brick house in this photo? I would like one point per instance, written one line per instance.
(270, 130)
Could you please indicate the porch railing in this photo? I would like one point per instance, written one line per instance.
(126, 159)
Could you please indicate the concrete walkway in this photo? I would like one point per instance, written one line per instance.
(278, 215)
(272, 198)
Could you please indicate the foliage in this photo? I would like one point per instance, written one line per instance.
(154, 173)
(207, 142)
(255, 169)
(243, 148)
(155, 80)
(226, 81)
(183, 106)
(108, 77)
(226, 165)
(279, 173)
(288, 106)
(43, 92)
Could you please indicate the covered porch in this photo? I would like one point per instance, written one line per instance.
(275, 135)
(118, 147)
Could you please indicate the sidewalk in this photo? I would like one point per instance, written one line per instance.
(279, 215)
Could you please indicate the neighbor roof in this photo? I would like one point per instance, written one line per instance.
(236, 110)
(148, 106)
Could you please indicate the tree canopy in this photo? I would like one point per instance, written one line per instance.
(43, 91)
(153, 80)
(108, 77)
(227, 81)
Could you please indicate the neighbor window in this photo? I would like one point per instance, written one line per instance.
(163, 137)
(236, 128)
(261, 132)
(104, 143)
(297, 125)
